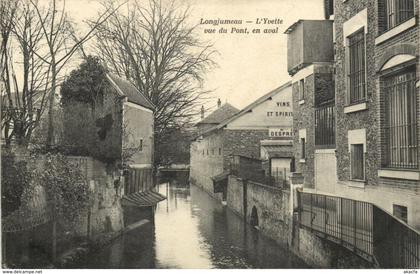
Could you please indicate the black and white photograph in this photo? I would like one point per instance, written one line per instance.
(210, 134)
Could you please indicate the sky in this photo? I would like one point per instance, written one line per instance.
(248, 65)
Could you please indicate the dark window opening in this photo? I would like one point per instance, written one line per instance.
(356, 73)
(302, 148)
(400, 147)
(357, 162)
(400, 212)
(325, 126)
(220, 151)
(302, 89)
(254, 217)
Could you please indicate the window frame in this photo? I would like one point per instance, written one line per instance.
(386, 148)
(386, 16)
(398, 212)
(363, 161)
(303, 148)
(325, 125)
(302, 89)
(361, 69)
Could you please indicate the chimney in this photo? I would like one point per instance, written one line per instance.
(219, 103)
(202, 111)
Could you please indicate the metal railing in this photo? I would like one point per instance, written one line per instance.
(325, 125)
(361, 227)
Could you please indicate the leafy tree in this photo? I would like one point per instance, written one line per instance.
(85, 84)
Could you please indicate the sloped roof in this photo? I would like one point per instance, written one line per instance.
(142, 199)
(220, 114)
(276, 151)
(127, 89)
(260, 100)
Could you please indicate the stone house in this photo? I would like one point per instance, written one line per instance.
(357, 104)
(122, 139)
(255, 132)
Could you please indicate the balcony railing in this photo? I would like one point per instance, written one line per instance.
(361, 227)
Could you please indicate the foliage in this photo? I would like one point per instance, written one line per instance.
(92, 118)
(15, 178)
(175, 148)
(86, 84)
(66, 187)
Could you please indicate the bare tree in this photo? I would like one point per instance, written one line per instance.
(47, 41)
(22, 99)
(156, 49)
(62, 43)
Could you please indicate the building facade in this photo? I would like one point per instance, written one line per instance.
(365, 144)
(269, 118)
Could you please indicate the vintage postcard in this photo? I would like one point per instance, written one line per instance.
(222, 134)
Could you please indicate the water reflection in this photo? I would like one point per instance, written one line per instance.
(191, 230)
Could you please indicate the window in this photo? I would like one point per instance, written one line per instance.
(302, 148)
(400, 212)
(302, 89)
(400, 146)
(220, 151)
(325, 125)
(356, 67)
(212, 151)
(394, 12)
(357, 162)
(141, 145)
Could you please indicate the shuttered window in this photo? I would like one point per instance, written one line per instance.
(356, 72)
(401, 145)
(357, 162)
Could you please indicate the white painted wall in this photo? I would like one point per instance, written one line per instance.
(269, 114)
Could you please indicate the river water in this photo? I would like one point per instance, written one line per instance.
(192, 230)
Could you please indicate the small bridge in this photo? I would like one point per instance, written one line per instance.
(174, 167)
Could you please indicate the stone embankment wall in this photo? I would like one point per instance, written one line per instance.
(270, 204)
(273, 207)
(106, 214)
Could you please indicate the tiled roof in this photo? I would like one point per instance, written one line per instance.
(129, 90)
(220, 114)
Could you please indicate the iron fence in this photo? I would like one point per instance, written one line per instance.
(361, 227)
